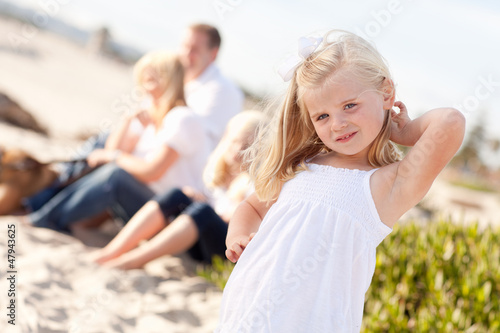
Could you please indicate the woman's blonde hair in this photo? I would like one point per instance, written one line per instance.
(283, 147)
(244, 123)
(169, 73)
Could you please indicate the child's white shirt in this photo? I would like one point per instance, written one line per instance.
(310, 264)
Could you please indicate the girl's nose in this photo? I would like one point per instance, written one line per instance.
(338, 123)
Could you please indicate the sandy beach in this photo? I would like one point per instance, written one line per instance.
(56, 287)
(58, 290)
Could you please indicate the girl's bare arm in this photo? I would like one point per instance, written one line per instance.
(244, 224)
(435, 136)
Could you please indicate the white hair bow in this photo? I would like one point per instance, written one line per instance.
(307, 45)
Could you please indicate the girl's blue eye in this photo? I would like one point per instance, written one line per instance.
(323, 116)
(349, 106)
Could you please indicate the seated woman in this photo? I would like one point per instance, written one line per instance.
(149, 152)
(196, 227)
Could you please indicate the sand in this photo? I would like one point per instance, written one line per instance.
(67, 89)
(59, 290)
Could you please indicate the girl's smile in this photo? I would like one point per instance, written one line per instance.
(346, 138)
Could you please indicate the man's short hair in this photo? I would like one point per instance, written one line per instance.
(214, 39)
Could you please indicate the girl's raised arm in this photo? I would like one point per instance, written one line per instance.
(435, 136)
(244, 224)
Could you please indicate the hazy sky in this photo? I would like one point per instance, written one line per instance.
(441, 53)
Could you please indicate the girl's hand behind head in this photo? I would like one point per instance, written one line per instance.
(399, 122)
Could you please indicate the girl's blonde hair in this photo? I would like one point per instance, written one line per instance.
(244, 123)
(282, 148)
(169, 73)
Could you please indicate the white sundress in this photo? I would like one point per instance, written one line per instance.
(310, 264)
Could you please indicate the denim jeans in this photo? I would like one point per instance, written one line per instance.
(68, 171)
(109, 188)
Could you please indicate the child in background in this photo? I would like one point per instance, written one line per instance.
(197, 227)
(329, 186)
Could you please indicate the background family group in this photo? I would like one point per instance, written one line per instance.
(171, 171)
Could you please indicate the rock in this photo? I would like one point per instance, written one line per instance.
(11, 112)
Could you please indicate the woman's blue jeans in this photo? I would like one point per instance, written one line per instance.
(109, 188)
(68, 172)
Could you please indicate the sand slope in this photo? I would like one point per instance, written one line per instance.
(59, 290)
(66, 88)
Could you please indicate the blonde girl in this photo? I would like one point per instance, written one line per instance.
(329, 186)
(183, 220)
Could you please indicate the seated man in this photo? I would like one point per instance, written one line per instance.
(208, 92)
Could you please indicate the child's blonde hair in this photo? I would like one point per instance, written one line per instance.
(246, 122)
(283, 147)
(169, 73)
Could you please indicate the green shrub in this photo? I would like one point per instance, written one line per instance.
(475, 185)
(440, 277)
(218, 273)
(437, 277)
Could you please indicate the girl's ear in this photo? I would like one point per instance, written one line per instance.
(389, 94)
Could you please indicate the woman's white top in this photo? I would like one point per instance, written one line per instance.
(183, 131)
(310, 264)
